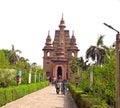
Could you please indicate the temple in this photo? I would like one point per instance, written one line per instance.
(58, 54)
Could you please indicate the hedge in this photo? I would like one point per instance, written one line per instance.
(84, 100)
(12, 93)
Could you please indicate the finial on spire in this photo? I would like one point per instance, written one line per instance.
(62, 16)
(73, 33)
(48, 39)
(62, 23)
(48, 32)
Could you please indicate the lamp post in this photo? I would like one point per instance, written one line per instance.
(29, 75)
(77, 77)
(117, 76)
(91, 77)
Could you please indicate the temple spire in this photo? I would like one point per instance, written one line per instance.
(48, 39)
(73, 39)
(62, 23)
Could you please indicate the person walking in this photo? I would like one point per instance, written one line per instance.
(57, 86)
(64, 86)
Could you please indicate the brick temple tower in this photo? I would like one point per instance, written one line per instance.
(59, 53)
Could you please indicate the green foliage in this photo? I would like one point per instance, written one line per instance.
(84, 65)
(104, 79)
(4, 63)
(85, 85)
(103, 82)
(12, 93)
(74, 65)
(84, 100)
(13, 57)
(24, 77)
(97, 52)
(40, 74)
(7, 77)
(79, 63)
(8, 95)
(9, 59)
(85, 82)
(2, 97)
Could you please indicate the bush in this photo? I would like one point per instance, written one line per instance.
(12, 93)
(85, 100)
(7, 77)
(2, 97)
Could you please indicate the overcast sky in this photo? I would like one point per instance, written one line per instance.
(25, 23)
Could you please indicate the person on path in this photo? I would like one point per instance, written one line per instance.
(50, 79)
(64, 86)
(20, 75)
(17, 79)
(57, 86)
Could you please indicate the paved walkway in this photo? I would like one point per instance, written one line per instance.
(45, 98)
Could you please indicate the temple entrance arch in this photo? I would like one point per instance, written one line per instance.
(59, 72)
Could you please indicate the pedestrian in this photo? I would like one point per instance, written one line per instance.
(20, 75)
(57, 86)
(64, 85)
(17, 79)
(50, 79)
(61, 86)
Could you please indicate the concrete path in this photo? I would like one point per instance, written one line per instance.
(45, 98)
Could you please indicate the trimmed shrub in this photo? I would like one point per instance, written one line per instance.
(84, 100)
(2, 97)
(12, 93)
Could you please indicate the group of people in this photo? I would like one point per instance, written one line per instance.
(61, 86)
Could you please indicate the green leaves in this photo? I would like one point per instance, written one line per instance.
(4, 63)
(7, 77)
(12, 93)
(97, 53)
(13, 57)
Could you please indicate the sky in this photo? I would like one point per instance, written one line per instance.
(25, 23)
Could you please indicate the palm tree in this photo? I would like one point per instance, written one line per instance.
(13, 57)
(83, 63)
(97, 52)
(22, 59)
(79, 63)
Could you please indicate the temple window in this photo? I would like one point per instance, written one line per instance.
(73, 54)
(48, 54)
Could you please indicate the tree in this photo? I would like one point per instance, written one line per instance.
(4, 63)
(7, 53)
(22, 59)
(7, 77)
(13, 57)
(83, 64)
(74, 65)
(104, 80)
(97, 52)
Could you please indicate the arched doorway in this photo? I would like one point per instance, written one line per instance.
(59, 72)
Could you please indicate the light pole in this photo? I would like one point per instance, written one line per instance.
(29, 75)
(117, 76)
(91, 77)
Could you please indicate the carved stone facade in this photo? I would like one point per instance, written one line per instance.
(59, 53)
